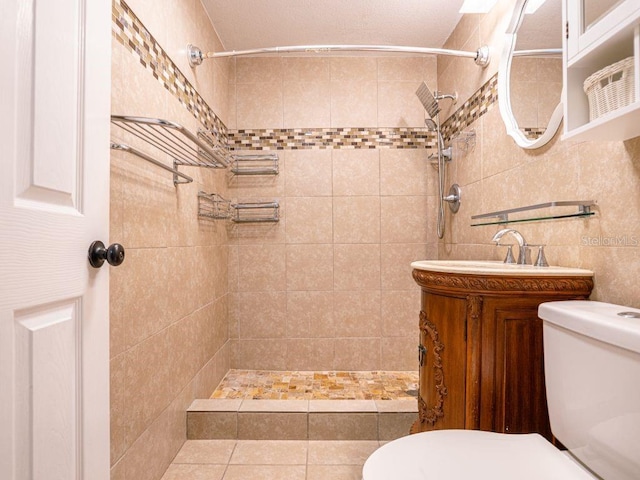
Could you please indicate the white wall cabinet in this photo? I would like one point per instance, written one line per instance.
(592, 43)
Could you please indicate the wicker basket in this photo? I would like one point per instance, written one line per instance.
(610, 88)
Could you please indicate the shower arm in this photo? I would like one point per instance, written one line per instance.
(481, 56)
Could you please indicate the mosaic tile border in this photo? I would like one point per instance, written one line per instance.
(353, 138)
(130, 32)
(330, 138)
(478, 104)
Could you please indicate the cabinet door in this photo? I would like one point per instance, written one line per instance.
(518, 402)
(590, 21)
(443, 362)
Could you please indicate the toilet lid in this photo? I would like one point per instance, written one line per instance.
(471, 454)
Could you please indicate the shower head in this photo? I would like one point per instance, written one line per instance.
(428, 101)
(431, 124)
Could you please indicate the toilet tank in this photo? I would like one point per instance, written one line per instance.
(592, 372)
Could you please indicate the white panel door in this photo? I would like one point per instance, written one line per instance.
(54, 201)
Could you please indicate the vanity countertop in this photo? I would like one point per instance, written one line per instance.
(479, 267)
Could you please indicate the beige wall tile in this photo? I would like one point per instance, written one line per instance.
(357, 354)
(269, 354)
(307, 104)
(261, 268)
(310, 354)
(308, 173)
(400, 353)
(406, 172)
(398, 105)
(356, 267)
(309, 267)
(356, 172)
(306, 69)
(118, 425)
(270, 426)
(252, 70)
(309, 314)
(309, 220)
(259, 105)
(354, 104)
(395, 425)
(395, 261)
(354, 69)
(403, 219)
(262, 314)
(402, 69)
(400, 312)
(206, 426)
(343, 426)
(357, 314)
(356, 219)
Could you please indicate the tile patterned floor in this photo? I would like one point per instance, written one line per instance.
(270, 460)
(302, 385)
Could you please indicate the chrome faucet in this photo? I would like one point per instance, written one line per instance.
(524, 254)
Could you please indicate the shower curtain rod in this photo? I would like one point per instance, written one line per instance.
(481, 56)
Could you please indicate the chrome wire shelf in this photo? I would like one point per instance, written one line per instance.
(215, 207)
(182, 146)
(265, 164)
(501, 217)
(176, 174)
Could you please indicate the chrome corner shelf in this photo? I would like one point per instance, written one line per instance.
(213, 206)
(261, 164)
(502, 217)
(182, 146)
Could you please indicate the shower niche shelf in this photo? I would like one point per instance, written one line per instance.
(172, 139)
(551, 212)
(254, 164)
(214, 207)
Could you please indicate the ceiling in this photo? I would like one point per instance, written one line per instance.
(249, 24)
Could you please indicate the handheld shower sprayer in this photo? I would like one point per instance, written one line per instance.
(430, 103)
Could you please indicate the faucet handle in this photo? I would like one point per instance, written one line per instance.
(541, 260)
(509, 258)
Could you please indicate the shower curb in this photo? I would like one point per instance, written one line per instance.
(381, 420)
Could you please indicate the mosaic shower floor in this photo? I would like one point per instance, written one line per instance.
(303, 385)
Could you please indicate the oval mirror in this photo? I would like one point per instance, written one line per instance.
(530, 73)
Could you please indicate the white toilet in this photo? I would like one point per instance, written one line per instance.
(592, 365)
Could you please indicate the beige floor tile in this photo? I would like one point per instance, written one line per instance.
(340, 452)
(334, 472)
(206, 451)
(265, 472)
(195, 472)
(342, 406)
(270, 452)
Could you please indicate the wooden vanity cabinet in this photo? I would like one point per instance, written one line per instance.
(481, 351)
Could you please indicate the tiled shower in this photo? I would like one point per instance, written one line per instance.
(329, 287)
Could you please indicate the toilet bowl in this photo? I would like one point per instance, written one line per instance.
(592, 371)
(471, 454)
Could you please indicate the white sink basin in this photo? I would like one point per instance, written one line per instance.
(479, 267)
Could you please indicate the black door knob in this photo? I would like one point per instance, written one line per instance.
(98, 253)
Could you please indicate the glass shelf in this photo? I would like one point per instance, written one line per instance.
(502, 217)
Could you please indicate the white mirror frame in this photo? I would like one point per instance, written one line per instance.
(504, 88)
